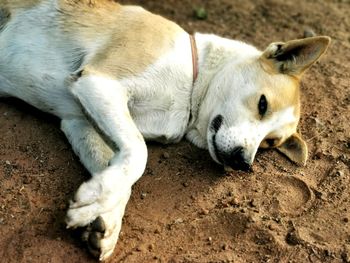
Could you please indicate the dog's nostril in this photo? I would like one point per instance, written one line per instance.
(237, 153)
(216, 123)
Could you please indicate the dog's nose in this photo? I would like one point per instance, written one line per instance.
(236, 160)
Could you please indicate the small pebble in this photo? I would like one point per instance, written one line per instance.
(141, 248)
(252, 203)
(204, 211)
(243, 210)
(319, 154)
(234, 202)
(265, 217)
(339, 173)
(165, 155)
(151, 247)
(224, 247)
(178, 221)
(143, 195)
(185, 184)
(8, 162)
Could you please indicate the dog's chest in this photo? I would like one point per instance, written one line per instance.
(159, 99)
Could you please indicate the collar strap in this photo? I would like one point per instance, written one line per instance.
(194, 57)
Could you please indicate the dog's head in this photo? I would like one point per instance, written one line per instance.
(258, 103)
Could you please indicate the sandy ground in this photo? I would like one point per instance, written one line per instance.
(184, 208)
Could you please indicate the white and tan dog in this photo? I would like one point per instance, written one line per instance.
(119, 75)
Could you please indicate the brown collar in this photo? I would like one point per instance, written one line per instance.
(194, 57)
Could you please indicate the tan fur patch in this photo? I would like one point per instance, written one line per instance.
(129, 38)
(16, 4)
(281, 91)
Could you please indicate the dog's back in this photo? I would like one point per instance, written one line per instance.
(43, 42)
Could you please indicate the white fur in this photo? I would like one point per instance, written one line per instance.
(107, 119)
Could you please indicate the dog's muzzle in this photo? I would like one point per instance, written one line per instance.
(235, 158)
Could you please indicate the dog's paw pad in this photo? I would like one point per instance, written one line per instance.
(98, 225)
(94, 243)
(93, 236)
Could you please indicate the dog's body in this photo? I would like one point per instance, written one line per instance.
(117, 75)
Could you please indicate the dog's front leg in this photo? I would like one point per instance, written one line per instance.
(100, 202)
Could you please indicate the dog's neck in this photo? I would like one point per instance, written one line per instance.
(208, 65)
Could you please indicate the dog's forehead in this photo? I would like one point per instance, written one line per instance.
(280, 89)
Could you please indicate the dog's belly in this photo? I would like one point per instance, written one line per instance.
(34, 65)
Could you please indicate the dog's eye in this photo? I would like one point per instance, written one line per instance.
(262, 106)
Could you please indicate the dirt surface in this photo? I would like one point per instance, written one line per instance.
(184, 208)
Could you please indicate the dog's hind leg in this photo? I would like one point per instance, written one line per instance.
(87, 143)
(100, 202)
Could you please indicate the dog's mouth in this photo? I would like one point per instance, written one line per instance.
(215, 125)
(216, 150)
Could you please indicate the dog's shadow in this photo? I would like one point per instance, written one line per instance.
(49, 173)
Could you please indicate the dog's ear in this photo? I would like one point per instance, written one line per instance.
(295, 149)
(294, 57)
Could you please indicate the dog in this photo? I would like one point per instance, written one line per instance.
(118, 75)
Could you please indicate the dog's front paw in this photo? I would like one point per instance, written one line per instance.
(99, 207)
